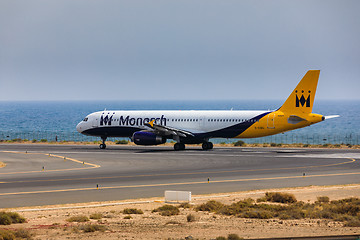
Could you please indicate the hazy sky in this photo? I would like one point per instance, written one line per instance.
(180, 50)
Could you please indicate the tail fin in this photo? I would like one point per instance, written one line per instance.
(301, 100)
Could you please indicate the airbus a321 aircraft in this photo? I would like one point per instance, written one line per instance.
(198, 127)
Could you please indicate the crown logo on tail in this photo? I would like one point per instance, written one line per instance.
(302, 100)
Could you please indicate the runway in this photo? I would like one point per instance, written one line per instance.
(47, 174)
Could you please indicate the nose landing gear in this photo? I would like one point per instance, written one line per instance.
(103, 145)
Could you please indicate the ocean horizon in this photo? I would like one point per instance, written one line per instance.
(58, 119)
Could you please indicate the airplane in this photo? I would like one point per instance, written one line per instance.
(198, 127)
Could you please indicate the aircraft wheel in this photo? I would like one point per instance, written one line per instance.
(182, 146)
(205, 146)
(179, 146)
(102, 146)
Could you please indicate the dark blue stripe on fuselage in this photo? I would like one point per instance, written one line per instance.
(113, 131)
(232, 131)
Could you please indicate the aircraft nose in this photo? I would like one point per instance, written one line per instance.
(79, 127)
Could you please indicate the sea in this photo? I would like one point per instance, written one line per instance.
(56, 120)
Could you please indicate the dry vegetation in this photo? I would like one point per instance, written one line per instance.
(7, 218)
(344, 210)
(167, 210)
(272, 214)
(132, 211)
(15, 234)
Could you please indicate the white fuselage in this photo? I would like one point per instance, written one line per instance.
(206, 123)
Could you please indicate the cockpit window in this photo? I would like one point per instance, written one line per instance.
(85, 119)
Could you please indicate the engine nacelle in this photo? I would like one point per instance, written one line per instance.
(147, 138)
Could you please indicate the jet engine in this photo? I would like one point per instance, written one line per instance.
(147, 138)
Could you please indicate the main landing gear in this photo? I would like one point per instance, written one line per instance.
(179, 146)
(207, 145)
(103, 145)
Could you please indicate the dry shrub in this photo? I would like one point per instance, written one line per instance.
(190, 218)
(280, 197)
(23, 234)
(167, 210)
(210, 206)
(92, 228)
(7, 218)
(185, 205)
(262, 199)
(233, 237)
(323, 199)
(80, 218)
(7, 234)
(128, 217)
(257, 213)
(96, 216)
(347, 206)
(352, 223)
(239, 143)
(132, 211)
(221, 238)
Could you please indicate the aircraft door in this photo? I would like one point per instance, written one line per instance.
(271, 120)
(202, 122)
(95, 122)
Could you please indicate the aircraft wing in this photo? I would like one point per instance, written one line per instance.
(164, 130)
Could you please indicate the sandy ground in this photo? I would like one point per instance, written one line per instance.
(52, 224)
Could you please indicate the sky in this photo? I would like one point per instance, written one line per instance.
(177, 50)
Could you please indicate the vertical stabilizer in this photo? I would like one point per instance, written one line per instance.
(301, 100)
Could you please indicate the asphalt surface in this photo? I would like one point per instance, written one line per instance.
(57, 174)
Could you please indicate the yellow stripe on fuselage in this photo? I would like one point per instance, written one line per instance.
(278, 122)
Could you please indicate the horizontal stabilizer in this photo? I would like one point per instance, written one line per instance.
(331, 116)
